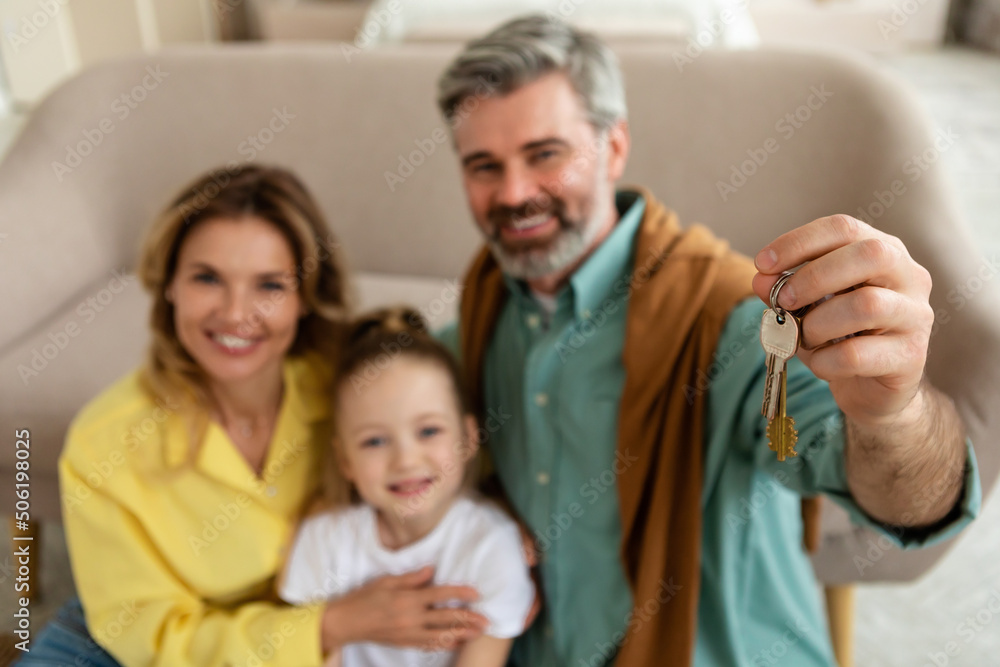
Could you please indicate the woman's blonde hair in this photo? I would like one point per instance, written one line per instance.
(374, 341)
(268, 193)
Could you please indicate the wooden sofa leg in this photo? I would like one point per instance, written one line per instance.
(840, 614)
(34, 579)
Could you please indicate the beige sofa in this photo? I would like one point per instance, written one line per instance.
(715, 136)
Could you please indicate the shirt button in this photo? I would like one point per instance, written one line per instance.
(586, 314)
(541, 399)
(533, 321)
(543, 478)
(272, 491)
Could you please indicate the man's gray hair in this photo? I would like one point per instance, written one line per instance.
(525, 49)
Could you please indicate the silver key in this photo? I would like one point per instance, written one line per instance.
(779, 336)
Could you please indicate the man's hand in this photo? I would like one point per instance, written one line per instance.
(905, 452)
(874, 376)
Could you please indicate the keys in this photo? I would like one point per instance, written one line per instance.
(779, 336)
(781, 433)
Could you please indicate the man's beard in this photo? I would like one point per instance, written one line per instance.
(532, 259)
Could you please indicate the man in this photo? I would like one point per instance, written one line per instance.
(589, 317)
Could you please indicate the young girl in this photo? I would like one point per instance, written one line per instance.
(400, 495)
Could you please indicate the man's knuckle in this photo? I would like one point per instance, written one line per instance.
(870, 303)
(851, 355)
(878, 252)
(924, 279)
(846, 227)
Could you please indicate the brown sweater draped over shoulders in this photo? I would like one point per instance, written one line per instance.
(683, 287)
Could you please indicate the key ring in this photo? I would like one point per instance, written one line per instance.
(775, 289)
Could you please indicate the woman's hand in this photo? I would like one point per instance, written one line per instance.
(402, 611)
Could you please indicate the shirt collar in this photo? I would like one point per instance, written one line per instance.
(594, 281)
(305, 402)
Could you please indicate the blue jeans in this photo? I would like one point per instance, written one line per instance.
(65, 642)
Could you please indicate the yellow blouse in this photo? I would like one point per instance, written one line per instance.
(174, 559)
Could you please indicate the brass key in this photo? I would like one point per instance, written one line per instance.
(781, 433)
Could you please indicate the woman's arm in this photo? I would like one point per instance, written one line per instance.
(484, 652)
(142, 613)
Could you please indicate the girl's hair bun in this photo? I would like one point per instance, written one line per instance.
(377, 337)
(387, 321)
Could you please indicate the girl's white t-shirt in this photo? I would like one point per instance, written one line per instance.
(475, 544)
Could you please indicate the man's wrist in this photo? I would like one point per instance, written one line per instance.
(911, 419)
(921, 454)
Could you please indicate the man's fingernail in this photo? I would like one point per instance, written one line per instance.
(766, 259)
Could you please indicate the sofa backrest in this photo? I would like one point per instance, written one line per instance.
(728, 139)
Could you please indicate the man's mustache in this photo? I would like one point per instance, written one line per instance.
(508, 215)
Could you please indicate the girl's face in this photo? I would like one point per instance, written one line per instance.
(404, 444)
(236, 300)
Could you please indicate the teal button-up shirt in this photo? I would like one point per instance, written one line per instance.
(555, 378)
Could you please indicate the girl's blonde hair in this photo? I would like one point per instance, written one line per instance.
(374, 341)
(268, 193)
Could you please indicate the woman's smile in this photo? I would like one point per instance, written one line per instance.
(234, 345)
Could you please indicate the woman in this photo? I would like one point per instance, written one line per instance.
(209, 452)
